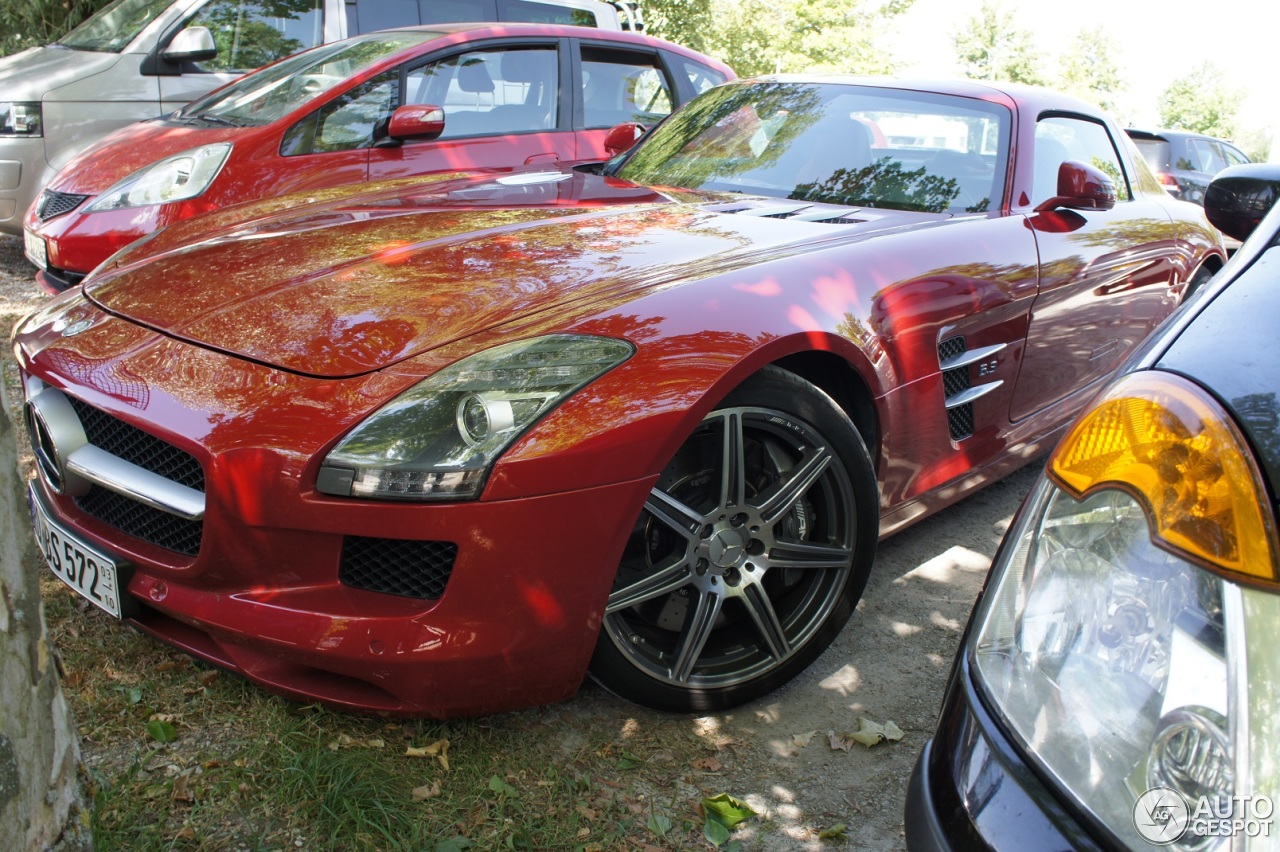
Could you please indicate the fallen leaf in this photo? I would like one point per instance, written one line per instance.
(726, 810)
(584, 832)
(427, 791)
(708, 764)
(162, 731)
(835, 832)
(587, 813)
(802, 740)
(892, 732)
(438, 749)
(839, 742)
(181, 792)
(185, 833)
(208, 676)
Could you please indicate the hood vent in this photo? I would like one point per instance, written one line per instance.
(797, 211)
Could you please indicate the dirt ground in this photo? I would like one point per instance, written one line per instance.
(890, 663)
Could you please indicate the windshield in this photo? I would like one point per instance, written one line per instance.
(273, 92)
(111, 28)
(833, 143)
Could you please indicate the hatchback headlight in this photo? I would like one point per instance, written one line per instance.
(175, 178)
(1114, 640)
(437, 440)
(20, 118)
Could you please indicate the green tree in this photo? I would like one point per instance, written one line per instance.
(768, 36)
(992, 47)
(1201, 102)
(1089, 68)
(26, 23)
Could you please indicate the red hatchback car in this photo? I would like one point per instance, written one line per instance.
(441, 448)
(390, 104)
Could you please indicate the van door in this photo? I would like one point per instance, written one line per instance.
(504, 106)
(248, 34)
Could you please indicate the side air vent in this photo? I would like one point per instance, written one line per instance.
(955, 360)
(413, 569)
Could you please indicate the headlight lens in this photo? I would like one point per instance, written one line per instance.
(438, 440)
(20, 118)
(1111, 652)
(175, 178)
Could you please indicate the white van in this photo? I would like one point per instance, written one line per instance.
(137, 59)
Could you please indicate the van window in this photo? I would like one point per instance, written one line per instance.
(544, 13)
(272, 93)
(367, 15)
(111, 28)
(252, 33)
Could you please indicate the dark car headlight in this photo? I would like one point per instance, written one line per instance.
(1127, 637)
(437, 440)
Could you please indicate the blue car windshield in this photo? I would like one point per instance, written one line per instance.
(834, 143)
(277, 90)
(111, 28)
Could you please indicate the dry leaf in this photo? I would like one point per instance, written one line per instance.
(438, 749)
(208, 676)
(181, 792)
(839, 742)
(892, 732)
(802, 740)
(584, 832)
(708, 764)
(427, 791)
(185, 833)
(587, 813)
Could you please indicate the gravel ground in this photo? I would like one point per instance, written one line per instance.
(890, 663)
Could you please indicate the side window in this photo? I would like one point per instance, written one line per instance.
(544, 13)
(488, 92)
(1233, 156)
(620, 86)
(1204, 156)
(365, 16)
(346, 122)
(251, 33)
(700, 76)
(1061, 138)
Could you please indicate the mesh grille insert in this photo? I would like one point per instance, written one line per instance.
(142, 521)
(415, 569)
(960, 421)
(56, 203)
(133, 445)
(950, 348)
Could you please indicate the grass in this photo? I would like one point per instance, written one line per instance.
(246, 770)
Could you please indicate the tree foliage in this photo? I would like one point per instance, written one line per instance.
(1089, 69)
(32, 22)
(768, 36)
(992, 47)
(1201, 102)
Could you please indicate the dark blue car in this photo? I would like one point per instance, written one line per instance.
(1118, 685)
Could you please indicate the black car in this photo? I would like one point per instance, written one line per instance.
(1118, 685)
(1185, 162)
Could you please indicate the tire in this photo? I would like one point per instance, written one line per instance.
(737, 576)
(1198, 280)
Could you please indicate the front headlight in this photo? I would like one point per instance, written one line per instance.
(1114, 640)
(175, 178)
(20, 118)
(438, 440)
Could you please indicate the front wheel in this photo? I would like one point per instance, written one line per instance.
(749, 555)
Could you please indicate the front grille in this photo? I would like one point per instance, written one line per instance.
(142, 521)
(133, 445)
(56, 203)
(414, 569)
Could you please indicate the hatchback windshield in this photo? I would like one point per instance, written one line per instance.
(113, 27)
(275, 91)
(833, 143)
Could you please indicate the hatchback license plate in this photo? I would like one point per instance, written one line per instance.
(35, 249)
(91, 573)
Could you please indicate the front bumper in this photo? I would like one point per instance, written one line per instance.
(971, 789)
(21, 164)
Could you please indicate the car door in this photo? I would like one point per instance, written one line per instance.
(1107, 277)
(248, 34)
(504, 106)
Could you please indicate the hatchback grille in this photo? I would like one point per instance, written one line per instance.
(133, 445)
(56, 203)
(414, 569)
(142, 521)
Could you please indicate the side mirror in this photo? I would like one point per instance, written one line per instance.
(416, 121)
(1081, 187)
(1240, 196)
(194, 44)
(622, 137)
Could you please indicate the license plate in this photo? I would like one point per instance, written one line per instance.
(90, 572)
(35, 249)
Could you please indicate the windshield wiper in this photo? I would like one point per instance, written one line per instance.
(214, 119)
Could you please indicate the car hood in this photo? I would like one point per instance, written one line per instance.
(346, 287)
(135, 146)
(37, 73)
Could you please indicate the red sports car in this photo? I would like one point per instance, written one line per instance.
(442, 447)
(387, 104)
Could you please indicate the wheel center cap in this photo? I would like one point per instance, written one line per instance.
(726, 547)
